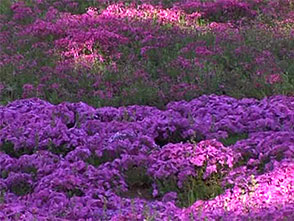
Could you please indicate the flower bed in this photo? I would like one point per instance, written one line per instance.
(72, 161)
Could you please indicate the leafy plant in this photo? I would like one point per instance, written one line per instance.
(70, 192)
(21, 188)
(139, 183)
(194, 188)
(233, 138)
(62, 150)
(107, 156)
(8, 148)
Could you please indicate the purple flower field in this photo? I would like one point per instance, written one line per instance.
(174, 110)
(72, 161)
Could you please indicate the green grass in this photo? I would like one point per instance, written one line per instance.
(233, 138)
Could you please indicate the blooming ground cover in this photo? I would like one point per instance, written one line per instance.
(146, 110)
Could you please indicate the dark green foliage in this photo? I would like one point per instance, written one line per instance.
(245, 157)
(62, 150)
(21, 188)
(233, 138)
(139, 183)
(194, 188)
(173, 137)
(4, 174)
(30, 170)
(70, 192)
(136, 176)
(261, 166)
(96, 161)
(8, 148)
(2, 199)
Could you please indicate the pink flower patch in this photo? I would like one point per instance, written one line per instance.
(274, 78)
(209, 171)
(198, 161)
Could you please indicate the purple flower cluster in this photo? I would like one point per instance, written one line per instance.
(181, 160)
(66, 161)
(218, 116)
